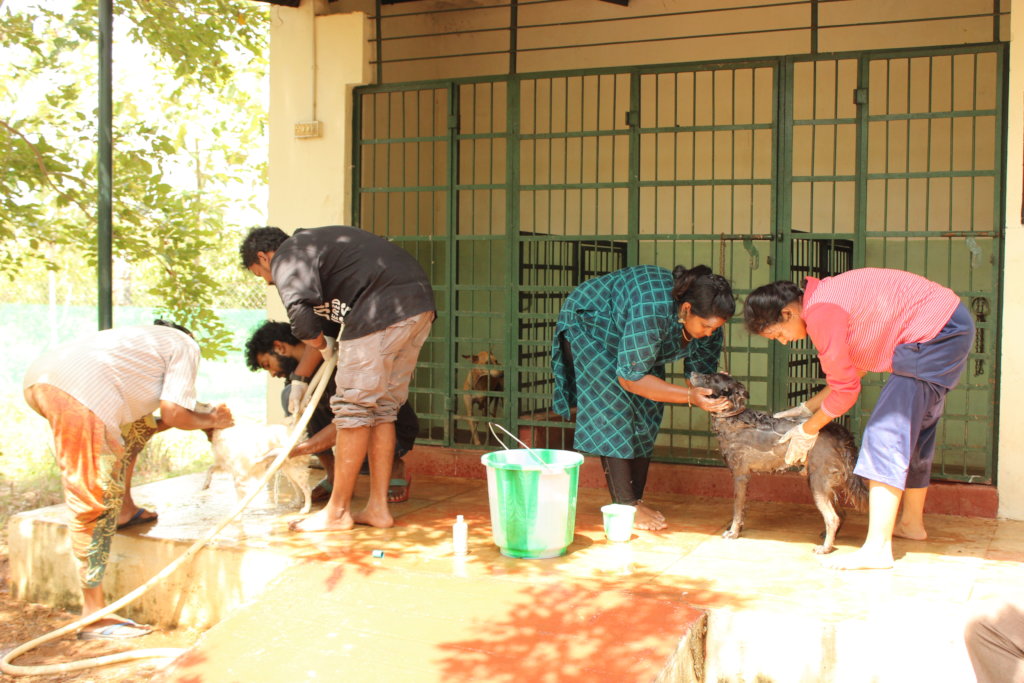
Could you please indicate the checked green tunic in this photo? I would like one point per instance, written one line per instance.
(623, 324)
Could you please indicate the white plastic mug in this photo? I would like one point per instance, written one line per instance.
(618, 522)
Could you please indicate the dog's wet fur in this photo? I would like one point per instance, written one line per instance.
(749, 442)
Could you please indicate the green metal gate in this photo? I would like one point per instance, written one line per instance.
(512, 190)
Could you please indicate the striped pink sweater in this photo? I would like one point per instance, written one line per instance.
(857, 319)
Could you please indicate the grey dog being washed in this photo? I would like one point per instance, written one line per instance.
(750, 442)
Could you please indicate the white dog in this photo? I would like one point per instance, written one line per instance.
(245, 451)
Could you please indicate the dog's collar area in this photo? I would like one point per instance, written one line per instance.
(734, 413)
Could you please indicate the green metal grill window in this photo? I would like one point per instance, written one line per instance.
(511, 190)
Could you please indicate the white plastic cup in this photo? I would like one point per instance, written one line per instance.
(618, 522)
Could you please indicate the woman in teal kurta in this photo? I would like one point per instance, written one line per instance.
(615, 334)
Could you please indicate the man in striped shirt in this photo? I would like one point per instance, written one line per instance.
(874, 320)
(98, 393)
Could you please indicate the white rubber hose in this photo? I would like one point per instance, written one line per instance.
(320, 381)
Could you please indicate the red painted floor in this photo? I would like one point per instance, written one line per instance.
(614, 612)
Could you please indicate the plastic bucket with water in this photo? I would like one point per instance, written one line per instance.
(533, 505)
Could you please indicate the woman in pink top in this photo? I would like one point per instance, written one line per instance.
(874, 320)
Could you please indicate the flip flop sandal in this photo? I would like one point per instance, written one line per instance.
(139, 518)
(119, 631)
(398, 490)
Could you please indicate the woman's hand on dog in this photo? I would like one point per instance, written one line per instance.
(701, 398)
(800, 444)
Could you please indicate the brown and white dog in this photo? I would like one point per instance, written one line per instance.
(245, 451)
(749, 442)
(483, 377)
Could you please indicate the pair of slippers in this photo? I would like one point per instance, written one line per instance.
(398, 491)
(141, 516)
(122, 630)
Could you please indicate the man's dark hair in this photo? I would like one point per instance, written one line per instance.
(262, 341)
(168, 323)
(260, 239)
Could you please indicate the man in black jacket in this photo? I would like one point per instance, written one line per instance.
(340, 279)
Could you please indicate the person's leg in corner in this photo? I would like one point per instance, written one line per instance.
(994, 636)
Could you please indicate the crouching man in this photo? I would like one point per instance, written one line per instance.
(273, 347)
(98, 393)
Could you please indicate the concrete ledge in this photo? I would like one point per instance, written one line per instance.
(201, 593)
(944, 498)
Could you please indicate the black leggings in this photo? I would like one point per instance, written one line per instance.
(626, 478)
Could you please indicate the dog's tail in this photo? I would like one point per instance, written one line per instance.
(854, 488)
(857, 492)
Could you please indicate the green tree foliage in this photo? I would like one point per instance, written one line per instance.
(188, 147)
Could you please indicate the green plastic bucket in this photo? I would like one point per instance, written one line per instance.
(533, 506)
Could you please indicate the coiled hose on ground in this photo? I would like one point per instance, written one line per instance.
(319, 383)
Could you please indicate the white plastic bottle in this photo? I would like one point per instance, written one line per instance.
(460, 536)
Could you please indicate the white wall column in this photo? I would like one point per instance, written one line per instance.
(1011, 426)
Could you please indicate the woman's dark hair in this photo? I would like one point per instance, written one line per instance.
(260, 239)
(763, 307)
(709, 295)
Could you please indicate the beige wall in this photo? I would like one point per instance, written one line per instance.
(310, 177)
(1011, 426)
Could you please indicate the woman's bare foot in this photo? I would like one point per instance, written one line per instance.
(648, 519)
(376, 517)
(324, 520)
(912, 531)
(859, 559)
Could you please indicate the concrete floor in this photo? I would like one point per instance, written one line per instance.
(680, 604)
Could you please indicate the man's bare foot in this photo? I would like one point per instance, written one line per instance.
(911, 531)
(380, 518)
(324, 520)
(859, 559)
(648, 519)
